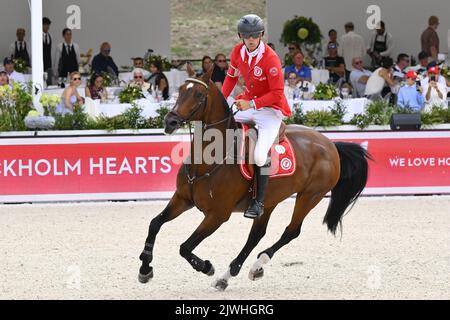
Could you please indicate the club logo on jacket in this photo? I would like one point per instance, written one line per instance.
(274, 71)
(258, 72)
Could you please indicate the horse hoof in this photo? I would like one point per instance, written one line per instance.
(256, 275)
(211, 272)
(144, 278)
(208, 269)
(220, 284)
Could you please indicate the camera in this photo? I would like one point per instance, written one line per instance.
(433, 78)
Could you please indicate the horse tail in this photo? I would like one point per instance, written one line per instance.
(352, 181)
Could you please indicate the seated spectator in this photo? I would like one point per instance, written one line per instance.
(302, 71)
(220, 70)
(291, 89)
(332, 35)
(138, 63)
(380, 78)
(207, 63)
(4, 79)
(158, 79)
(13, 75)
(289, 57)
(434, 91)
(426, 79)
(410, 95)
(422, 67)
(103, 62)
(139, 80)
(334, 63)
(359, 77)
(70, 96)
(95, 89)
(399, 68)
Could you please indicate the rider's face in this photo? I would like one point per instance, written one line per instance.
(252, 43)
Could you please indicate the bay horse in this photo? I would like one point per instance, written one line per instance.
(219, 189)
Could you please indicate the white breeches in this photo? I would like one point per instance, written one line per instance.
(268, 122)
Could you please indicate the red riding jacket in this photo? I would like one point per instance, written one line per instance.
(264, 79)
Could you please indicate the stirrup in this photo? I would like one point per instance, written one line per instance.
(255, 210)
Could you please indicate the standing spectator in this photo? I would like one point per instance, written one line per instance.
(19, 48)
(4, 79)
(158, 79)
(352, 46)
(220, 70)
(421, 68)
(435, 91)
(70, 96)
(359, 77)
(13, 75)
(207, 63)
(95, 89)
(380, 78)
(410, 95)
(103, 62)
(403, 62)
(47, 43)
(380, 46)
(67, 55)
(334, 63)
(303, 72)
(430, 38)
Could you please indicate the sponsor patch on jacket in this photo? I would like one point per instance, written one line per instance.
(274, 71)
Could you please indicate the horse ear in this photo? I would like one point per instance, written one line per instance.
(207, 76)
(189, 69)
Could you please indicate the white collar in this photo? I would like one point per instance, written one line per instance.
(258, 53)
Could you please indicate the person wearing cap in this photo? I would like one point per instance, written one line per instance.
(381, 45)
(431, 67)
(263, 102)
(334, 63)
(19, 48)
(410, 95)
(13, 75)
(430, 39)
(434, 91)
(352, 46)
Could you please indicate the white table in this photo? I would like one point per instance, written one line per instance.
(319, 76)
(149, 108)
(354, 106)
(112, 91)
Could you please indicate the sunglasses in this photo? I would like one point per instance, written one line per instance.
(221, 60)
(138, 77)
(76, 79)
(290, 78)
(358, 62)
(291, 48)
(251, 35)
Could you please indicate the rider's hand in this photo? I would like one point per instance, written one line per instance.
(243, 105)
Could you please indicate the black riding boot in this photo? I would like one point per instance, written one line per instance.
(256, 208)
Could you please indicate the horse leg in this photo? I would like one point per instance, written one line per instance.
(208, 226)
(256, 234)
(303, 205)
(176, 206)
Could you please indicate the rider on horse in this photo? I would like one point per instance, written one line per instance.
(263, 101)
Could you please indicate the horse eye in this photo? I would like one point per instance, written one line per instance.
(197, 94)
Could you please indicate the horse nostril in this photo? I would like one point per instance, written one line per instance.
(173, 123)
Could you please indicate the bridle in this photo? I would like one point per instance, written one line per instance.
(201, 106)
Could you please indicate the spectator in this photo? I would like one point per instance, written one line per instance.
(4, 79)
(430, 38)
(332, 35)
(399, 68)
(220, 70)
(95, 89)
(380, 78)
(289, 57)
(158, 79)
(139, 80)
(426, 79)
(13, 75)
(70, 96)
(303, 72)
(47, 43)
(291, 89)
(380, 46)
(67, 55)
(103, 62)
(207, 63)
(352, 46)
(359, 77)
(334, 63)
(19, 49)
(410, 95)
(138, 63)
(435, 92)
(421, 68)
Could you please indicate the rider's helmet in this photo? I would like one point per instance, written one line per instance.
(250, 25)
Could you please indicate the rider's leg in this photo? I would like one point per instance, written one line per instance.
(268, 121)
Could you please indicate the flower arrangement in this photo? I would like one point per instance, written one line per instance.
(445, 72)
(49, 103)
(16, 102)
(20, 65)
(130, 94)
(301, 30)
(325, 92)
(166, 65)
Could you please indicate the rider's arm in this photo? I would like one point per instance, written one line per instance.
(276, 85)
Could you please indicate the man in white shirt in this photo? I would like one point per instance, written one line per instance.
(380, 46)
(352, 46)
(67, 59)
(434, 91)
(359, 77)
(14, 76)
(403, 62)
(19, 48)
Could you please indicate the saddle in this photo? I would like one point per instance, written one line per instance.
(283, 161)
